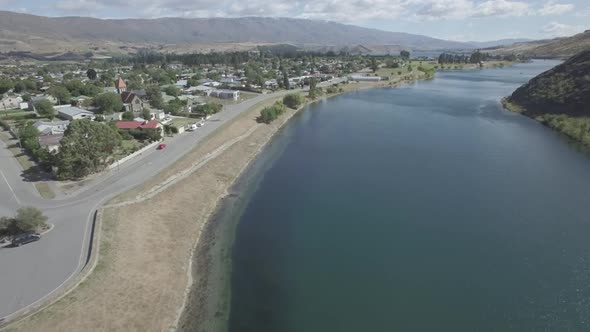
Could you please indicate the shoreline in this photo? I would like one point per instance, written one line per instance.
(146, 287)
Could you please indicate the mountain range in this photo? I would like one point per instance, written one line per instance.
(562, 47)
(24, 32)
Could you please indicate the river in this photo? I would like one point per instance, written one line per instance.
(421, 208)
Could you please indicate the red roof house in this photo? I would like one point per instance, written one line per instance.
(153, 124)
(120, 85)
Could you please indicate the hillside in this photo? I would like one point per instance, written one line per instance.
(564, 89)
(559, 98)
(23, 32)
(550, 48)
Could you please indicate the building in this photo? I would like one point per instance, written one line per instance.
(10, 102)
(225, 94)
(120, 85)
(51, 128)
(358, 78)
(132, 102)
(143, 125)
(71, 113)
(50, 142)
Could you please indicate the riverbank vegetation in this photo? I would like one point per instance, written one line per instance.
(271, 113)
(558, 98)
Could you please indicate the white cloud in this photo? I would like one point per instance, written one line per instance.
(77, 5)
(460, 9)
(552, 8)
(556, 29)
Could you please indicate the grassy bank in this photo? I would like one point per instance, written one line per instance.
(576, 128)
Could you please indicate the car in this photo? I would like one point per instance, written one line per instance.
(161, 146)
(24, 239)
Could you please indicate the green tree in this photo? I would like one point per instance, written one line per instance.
(374, 65)
(312, 88)
(86, 148)
(155, 96)
(128, 116)
(27, 219)
(45, 109)
(91, 74)
(404, 54)
(108, 103)
(5, 85)
(60, 93)
(293, 100)
(173, 91)
(146, 114)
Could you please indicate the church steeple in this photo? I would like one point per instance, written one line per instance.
(120, 85)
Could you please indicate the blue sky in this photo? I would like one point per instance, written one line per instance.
(462, 20)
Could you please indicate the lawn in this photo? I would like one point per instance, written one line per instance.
(182, 122)
(127, 147)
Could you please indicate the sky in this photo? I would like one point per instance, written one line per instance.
(461, 20)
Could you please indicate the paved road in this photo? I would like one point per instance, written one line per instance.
(31, 273)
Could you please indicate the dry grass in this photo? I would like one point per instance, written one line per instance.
(140, 281)
(45, 191)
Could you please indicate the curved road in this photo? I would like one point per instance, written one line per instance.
(32, 273)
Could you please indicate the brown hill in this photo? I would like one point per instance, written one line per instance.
(28, 32)
(549, 48)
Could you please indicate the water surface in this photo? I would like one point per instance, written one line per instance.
(421, 208)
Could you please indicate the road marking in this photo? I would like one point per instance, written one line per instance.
(10, 187)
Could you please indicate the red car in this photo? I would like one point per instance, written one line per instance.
(161, 146)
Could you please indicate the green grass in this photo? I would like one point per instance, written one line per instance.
(45, 191)
(182, 122)
(127, 147)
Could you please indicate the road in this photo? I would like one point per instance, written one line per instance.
(32, 273)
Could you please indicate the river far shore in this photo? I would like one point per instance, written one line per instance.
(155, 261)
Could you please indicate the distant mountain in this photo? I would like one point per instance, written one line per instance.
(496, 43)
(23, 32)
(564, 89)
(550, 48)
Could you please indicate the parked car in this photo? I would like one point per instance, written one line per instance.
(161, 146)
(24, 239)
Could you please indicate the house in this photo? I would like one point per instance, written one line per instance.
(113, 117)
(157, 114)
(120, 85)
(50, 142)
(143, 125)
(359, 78)
(203, 90)
(140, 93)
(71, 113)
(10, 102)
(226, 94)
(132, 102)
(181, 83)
(51, 128)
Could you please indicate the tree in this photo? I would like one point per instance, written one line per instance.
(146, 114)
(45, 109)
(286, 80)
(312, 88)
(374, 65)
(91, 74)
(293, 100)
(127, 116)
(108, 103)
(27, 219)
(85, 149)
(155, 96)
(404, 54)
(173, 91)
(5, 85)
(60, 93)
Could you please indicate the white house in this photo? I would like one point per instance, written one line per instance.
(68, 112)
(9, 102)
(359, 78)
(51, 128)
(226, 94)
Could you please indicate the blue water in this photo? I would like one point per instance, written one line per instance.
(421, 208)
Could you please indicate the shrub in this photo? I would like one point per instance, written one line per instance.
(293, 100)
(269, 114)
